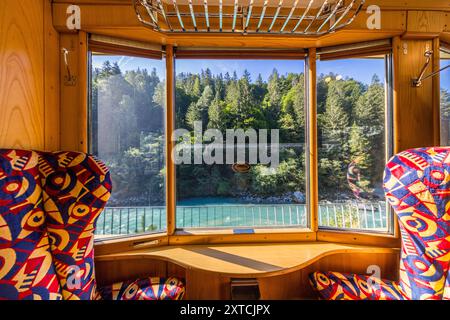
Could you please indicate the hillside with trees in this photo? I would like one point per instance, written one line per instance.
(129, 137)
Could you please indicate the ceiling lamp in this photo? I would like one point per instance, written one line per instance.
(301, 17)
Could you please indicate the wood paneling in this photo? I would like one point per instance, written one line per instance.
(436, 93)
(29, 76)
(428, 21)
(206, 286)
(413, 107)
(170, 127)
(384, 4)
(21, 74)
(313, 178)
(51, 81)
(123, 270)
(74, 99)
(360, 238)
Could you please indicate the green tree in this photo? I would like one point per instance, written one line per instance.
(199, 111)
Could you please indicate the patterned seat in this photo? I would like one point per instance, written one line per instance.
(417, 185)
(26, 268)
(47, 233)
(144, 289)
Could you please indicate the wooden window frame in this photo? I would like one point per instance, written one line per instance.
(391, 237)
(312, 232)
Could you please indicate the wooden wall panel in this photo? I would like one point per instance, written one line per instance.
(413, 107)
(73, 117)
(21, 74)
(436, 94)
(206, 286)
(29, 76)
(428, 21)
(108, 272)
(51, 81)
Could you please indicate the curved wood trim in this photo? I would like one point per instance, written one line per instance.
(244, 261)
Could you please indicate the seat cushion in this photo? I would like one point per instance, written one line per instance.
(76, 187)
(26, 268)
(145, 289)
(342, 286)
(417, 186)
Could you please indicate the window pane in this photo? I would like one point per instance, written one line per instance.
(127, 133)
(352, 150)
(445, 99)
(240, 183)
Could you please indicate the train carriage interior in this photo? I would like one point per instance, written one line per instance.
(216, 150)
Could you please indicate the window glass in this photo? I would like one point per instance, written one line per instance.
(445, 98)
(240, 135)
(351, 106)
(127, 134)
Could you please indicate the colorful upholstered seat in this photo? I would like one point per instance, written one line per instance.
(417, 185)
(49, 206)
(76, 188)
(26, 268)
(144, 289)
(343, 286)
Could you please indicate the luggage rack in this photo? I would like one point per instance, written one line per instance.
(298, 17)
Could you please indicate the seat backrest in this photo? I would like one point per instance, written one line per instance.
(76, 188)
(417, 185)
(26, 268)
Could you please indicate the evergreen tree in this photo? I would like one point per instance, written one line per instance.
(369, 109)
(199, 111)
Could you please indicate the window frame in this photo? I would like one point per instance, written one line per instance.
(227, 54)
(444, 47)
(312, 232)
(112, 46)
(389, 140)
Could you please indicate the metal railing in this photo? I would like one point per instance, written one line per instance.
(133, 220)
(363, 216)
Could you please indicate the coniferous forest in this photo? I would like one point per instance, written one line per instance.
(127, 132)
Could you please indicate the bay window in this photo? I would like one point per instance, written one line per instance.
(243, 149)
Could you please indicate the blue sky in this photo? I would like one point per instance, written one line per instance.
(359, 69)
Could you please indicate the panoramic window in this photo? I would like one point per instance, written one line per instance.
(127, 123)
(240, 156)
(445, 98)
(352, 122)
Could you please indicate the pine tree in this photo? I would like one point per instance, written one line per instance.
(369, 110)
(199, 111)
(292, 116)
(274, 89)
(360, 154)
(216, 116)
(196, 88)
